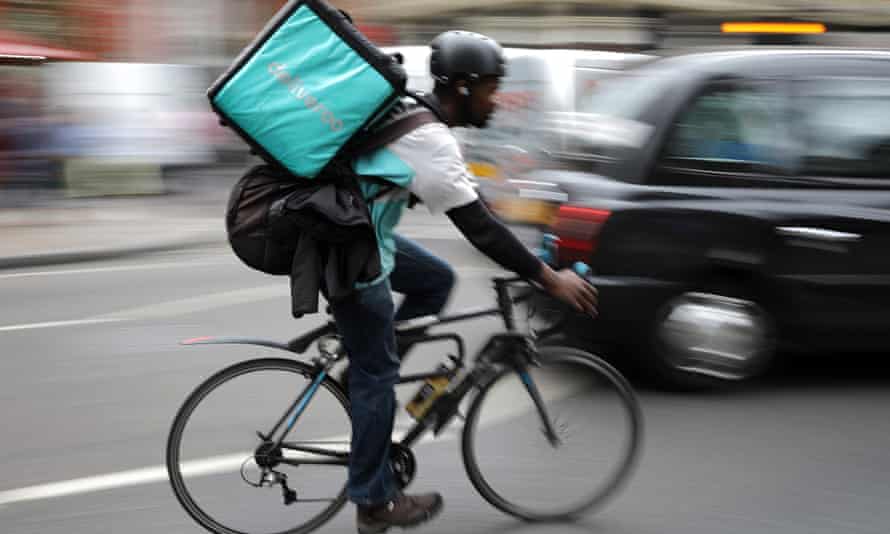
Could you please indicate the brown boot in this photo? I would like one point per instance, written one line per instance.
(403, 511)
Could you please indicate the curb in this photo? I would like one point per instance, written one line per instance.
(80, 256)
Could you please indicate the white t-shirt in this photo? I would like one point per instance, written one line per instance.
(426, 162)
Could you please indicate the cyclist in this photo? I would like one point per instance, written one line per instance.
(467, 68)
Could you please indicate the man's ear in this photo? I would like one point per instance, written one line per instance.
(462, 88)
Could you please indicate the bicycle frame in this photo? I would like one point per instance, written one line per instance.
(511, 350)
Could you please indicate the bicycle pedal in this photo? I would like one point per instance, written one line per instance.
(290, 496)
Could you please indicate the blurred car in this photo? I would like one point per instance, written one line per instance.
(539, 83)
(734, 206)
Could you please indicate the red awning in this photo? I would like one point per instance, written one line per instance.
(16, 44)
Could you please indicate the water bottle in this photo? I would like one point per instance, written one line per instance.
(432, 389)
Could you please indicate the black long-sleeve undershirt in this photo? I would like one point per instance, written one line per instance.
(494, 240)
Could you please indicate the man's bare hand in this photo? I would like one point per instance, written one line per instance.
(570, 288)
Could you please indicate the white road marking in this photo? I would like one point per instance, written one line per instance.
(207, 466)
(150, 475)
(135, 477)
(167, 309)
(232, 462)
(200, 303)
(188, 305)
(84, 485)
(57, 324)
(471, 270)
(121, 268)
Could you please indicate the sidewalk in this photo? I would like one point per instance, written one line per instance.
(100, 229)
(40, 228)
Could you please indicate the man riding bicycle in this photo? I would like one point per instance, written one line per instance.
(426, 163)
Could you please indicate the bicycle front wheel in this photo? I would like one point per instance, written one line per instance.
(597, 420)
(231, 479)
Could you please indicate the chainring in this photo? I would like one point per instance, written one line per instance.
(404, 465)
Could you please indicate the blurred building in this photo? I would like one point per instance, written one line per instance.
(87, 28)
(211, 32)
(628, 24)
(128, 98)
(182, 31)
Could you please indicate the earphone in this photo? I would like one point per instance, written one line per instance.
(464, 91)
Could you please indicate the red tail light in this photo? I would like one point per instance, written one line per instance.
(578, 230)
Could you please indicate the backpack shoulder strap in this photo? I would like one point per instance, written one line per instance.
(401, 125)
(430, 102)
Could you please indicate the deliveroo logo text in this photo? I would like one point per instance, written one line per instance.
(298, 90)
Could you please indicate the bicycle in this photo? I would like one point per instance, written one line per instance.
(270, 463)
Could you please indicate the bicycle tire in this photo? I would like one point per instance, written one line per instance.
(548, 356)
(177, 480)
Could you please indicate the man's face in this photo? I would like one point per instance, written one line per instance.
(482, 103)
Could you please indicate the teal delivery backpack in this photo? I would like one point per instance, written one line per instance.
(307, 88)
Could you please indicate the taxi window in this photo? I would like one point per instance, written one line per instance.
(844, 126)
(731, 125)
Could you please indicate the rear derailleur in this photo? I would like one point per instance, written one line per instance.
(265, 458)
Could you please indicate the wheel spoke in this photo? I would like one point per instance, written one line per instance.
(595, 417)
(230, 480)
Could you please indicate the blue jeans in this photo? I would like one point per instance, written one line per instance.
(365, 322)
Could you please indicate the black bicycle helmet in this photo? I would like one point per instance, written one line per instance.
(464, 55)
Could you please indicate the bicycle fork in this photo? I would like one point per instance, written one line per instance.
(546, 420)
(517, 353)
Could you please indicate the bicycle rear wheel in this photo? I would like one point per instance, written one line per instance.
(513, 465)
(229, 481)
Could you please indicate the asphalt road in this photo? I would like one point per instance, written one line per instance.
(91, 376)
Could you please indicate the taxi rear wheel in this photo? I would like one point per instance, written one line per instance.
(710, 337)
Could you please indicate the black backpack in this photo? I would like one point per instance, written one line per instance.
(264, 233)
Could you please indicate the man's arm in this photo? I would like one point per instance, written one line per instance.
(442, 181)
(494, 240)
